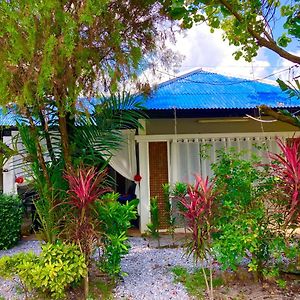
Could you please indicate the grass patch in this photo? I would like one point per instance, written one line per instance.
(102, 289)
(194, 282)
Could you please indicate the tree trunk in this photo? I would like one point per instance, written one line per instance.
(86, 285)
(40, 155)
(64, 140)
(47, 136)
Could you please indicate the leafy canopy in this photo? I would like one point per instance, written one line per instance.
(59, 49)
(246, 24)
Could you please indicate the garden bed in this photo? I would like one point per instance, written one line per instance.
(150, 276)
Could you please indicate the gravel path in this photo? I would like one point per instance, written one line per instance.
(149, 273)
(148, 269)
(9, 289)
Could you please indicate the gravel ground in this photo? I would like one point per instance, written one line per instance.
(149, 273)
(148, 269)
(9, 289)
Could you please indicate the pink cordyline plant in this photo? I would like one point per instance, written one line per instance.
(198, 214)
(286, 167)
(199, 202)
(85, 186)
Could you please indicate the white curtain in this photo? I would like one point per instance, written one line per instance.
(124, 160)
(195, 156)
(185, 160)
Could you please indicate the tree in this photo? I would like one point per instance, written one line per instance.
(247, 25)
(52, 51)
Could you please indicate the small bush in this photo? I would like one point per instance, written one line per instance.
(11, 212)
(58, 266)
(115, 221)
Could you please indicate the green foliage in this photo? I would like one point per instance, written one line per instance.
(11, 212)
(58, 266)
(194, 282)
(5, 154)
(153, 227)
(291, 88)
(170, 217)
(54, 54)
(243, 223)
(245, 24)
(114, 222)
(235, 178)
(179, 189)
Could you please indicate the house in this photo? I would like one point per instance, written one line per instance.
(202, 112)
(199, 112)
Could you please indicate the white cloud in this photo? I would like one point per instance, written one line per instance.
(206, 50)
(290, 69)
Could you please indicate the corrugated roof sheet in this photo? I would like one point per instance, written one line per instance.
(7, 118)
(204, 90)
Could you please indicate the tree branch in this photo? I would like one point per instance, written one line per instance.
(270, 44)
(278, 115)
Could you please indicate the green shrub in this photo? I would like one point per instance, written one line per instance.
(153, 227)
(11, 212)
(115, 221)
(58, 266)
(244, 218)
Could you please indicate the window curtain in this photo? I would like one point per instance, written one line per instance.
(124, 159)
(189, 157)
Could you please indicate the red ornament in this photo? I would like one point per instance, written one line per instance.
(137, 177)
(19, 179)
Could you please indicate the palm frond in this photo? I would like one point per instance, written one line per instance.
(99, 135)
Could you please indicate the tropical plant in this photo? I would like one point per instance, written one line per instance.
(178, 191)
(115, 220)
(52, 272)
(153, 227)
(171, 219)
(285, 167)
(246, 224)
(86, 184)
(199, 214)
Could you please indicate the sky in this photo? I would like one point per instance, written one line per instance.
(203, 49)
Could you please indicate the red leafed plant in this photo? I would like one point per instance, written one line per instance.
(199, 213)
(85, 186)
(286, 167)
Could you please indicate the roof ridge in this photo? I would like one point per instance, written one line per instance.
(180, 77)
(200, 70)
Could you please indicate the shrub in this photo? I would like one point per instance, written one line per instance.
(58, 266)
(114, 222)
(153, 227)
(244, 218)
(11, 212)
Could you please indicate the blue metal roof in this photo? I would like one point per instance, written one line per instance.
(7, 117)
(201, 90)
(204, 90)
